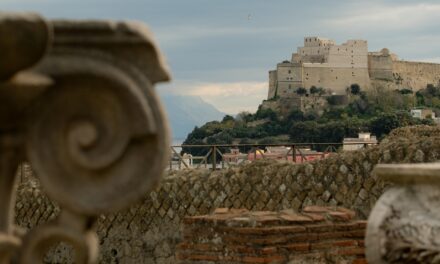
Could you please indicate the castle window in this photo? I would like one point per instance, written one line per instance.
(290, 71)
(290, 86)
(336, 77)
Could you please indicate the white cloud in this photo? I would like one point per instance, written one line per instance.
(373, 16)
(230, 98)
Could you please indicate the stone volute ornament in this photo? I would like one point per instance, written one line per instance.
(404, 225)
(77, 101)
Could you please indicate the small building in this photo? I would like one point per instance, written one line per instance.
(285, 153)
(363, 140)
(234, 156)
(422, 113)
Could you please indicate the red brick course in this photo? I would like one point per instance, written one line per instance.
(239, 236)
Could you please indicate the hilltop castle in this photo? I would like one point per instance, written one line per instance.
(322, 63)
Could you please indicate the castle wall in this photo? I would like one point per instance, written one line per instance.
(335, 79)
(321, 63)
(415, 75)
(272, 84)
(380, 67)
(289, 77)
(352, 54)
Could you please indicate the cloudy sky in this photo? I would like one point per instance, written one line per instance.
(222, 50)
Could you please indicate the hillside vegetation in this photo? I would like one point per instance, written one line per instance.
(377, 111)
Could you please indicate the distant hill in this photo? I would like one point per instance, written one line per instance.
(378, 113)
(186, 112)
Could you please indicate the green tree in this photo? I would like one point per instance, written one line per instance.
(433, 90)
(332, 100)
(296, 115)
(266, 113)
(301, 91)
(304, 131)
(420, 99)
(267, 141)
(405, 91)
(355, 89)
(333, 113)
(227, 118)
(384, 123)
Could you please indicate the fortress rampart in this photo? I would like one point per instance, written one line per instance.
(415, 75)
(322, 63)
(149, 231)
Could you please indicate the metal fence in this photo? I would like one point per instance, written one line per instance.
(216, 156)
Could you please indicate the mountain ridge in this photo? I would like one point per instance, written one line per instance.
(186, 112)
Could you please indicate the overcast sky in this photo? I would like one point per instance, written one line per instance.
(222, 50)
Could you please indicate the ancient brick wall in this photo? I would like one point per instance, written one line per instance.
(149, 231)
(317, 235)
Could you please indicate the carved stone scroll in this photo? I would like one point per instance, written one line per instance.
(77, 101)
(404, 225)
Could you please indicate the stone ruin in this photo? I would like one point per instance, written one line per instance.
(77, 102)
(316, 235)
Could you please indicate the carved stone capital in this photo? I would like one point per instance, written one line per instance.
(404, 225)
(77, 101)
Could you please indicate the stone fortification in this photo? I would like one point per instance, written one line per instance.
(150, 231)
(415, 75)
(322, 63)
